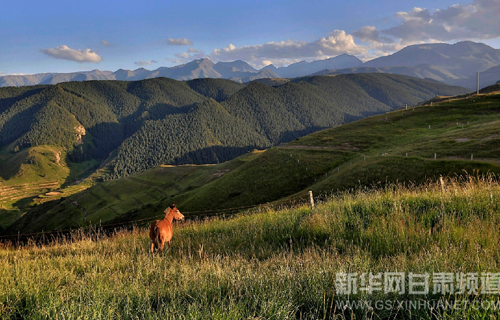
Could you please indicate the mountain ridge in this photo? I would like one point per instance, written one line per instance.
(454, 64)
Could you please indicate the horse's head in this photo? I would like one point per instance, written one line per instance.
(175, 212)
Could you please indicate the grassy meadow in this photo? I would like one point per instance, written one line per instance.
(271, 264)
(389, 148)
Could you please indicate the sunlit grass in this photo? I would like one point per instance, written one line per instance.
(267, 264)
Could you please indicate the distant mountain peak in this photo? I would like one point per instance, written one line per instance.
(200, 61)
(239, 65)
(304, 68)
(270, 67)
(449, 63)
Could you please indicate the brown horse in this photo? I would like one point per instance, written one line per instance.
(161, 230)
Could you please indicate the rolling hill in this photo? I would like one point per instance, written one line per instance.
(408, 146)
(133, 126)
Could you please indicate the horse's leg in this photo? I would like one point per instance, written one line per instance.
(152, 246)
(162, 244)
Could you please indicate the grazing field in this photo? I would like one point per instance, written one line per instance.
(464, 137)
(268, 264)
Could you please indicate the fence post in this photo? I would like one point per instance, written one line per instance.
(435, 156)
(471, 157)
(311, 199)
(441, 181)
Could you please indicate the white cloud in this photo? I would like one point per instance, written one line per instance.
(371, 34)
(66, 53)
(266, 62)
(476, 20)
(193, 50)
(379, 44)
(143, 63)
(104, 42)
(180, 42)
(285, 52)
(191, 54)
(417, 15)
(182, 55)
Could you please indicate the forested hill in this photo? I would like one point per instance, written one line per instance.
(132, 126)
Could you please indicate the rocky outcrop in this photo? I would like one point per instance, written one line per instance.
(80, 132)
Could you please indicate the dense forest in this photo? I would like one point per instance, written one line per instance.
(145, 123)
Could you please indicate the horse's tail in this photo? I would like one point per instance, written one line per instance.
(153, 231)
(157, 233)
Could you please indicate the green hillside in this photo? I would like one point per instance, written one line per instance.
(111, 129)
(217, 89)
(394, 147)
(112, 112)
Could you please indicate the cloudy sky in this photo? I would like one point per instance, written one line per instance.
(65, 36)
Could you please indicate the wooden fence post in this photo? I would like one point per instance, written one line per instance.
(311, 199)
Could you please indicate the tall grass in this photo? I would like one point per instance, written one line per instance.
(269, 264)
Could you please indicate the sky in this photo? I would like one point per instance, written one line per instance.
(71, 36)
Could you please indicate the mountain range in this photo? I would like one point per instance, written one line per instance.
(454, 64)
(238, 71)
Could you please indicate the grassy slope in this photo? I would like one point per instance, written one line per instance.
(324, 162)
(35, 175)
(407, 132)
(270, 264)
(108, 200)
(335, 159)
